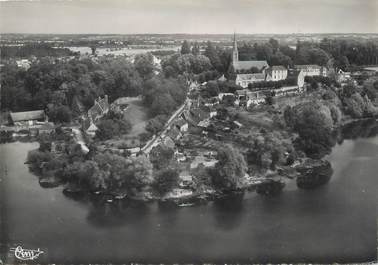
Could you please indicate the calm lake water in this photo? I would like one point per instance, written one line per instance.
(334, 223)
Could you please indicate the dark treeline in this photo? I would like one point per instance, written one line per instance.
(207, 61)
(37, 50)
(329, 52)
(71, 87)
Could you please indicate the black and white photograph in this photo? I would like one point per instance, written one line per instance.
(188, 132)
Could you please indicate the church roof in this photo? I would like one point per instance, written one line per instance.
(278, 67)
(307, 66)
(245, 77)
(246, 65)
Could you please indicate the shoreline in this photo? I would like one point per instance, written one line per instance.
(269, 183)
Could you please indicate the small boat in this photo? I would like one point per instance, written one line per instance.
(120, 196)
(185, 204)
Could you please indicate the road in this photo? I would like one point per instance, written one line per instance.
(156, 140)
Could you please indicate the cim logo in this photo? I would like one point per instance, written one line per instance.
(26, 254)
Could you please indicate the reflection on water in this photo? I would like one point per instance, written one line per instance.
(120, 213)
(333, 223)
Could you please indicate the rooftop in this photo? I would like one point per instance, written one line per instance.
(278, 67)
(246, 65)
(27, 115)
(258, 76)
(307, 66)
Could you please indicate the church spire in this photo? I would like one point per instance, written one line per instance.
(235, 52)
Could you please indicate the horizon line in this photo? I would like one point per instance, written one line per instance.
(186, 33)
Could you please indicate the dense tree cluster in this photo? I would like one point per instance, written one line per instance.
(37, 50)
(112, 125)
(163, 95)
(314, 122)
(230, 168)
(104, 171)
(66, 83)
(348, 52)
(329, 52)
(161, 156)
(166, 179)
(273, 84)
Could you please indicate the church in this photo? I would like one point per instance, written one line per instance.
(245, 65)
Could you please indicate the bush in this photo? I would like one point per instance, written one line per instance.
(109, 128)
(161, 156)
(60, 114)
(230, 168)
(166, 180)
(156, 124)
(35, 158)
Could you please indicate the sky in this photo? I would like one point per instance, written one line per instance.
(188, 16)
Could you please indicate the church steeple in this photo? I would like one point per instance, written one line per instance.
(235, 52)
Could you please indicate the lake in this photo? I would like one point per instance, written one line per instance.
(334, 223)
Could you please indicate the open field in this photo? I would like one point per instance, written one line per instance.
(136, 114)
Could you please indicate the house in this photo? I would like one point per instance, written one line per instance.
(77, 106)
(222, 95)
(27, 117)
(186, 180)
(245, 65)
(201, 159)
(299, 75)
(99, 109)
(255, 98)
(196, 115)
(174, 133)
(342, 76)
(46, 128)
(167, 141)
(287, 91)
(91, 130)
(222, 78)
(23, 63)
(312, 69)
(181, 125)
(244, 80)
(276, 73)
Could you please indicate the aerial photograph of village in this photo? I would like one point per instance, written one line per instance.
(188, 131)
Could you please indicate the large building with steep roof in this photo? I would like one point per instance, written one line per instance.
(245, 65)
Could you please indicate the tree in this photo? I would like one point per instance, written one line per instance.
(269, 100)
(185, 47)
(161, 156)
(132, 173)
(280, 59)
(314, 123)
(196, 49)
(212, 89)
(60, 114)
(230, 168)
(211, 53)
(156, 124)
(110, 127)
(144, 64)
(36, 158)
(274, 43)
(166, 180)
